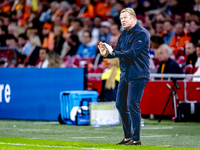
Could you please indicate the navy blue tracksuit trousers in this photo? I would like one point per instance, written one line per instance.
(129, 94)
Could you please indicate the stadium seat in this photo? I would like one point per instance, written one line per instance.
(188, 69)
(179, 52)
(181, 59)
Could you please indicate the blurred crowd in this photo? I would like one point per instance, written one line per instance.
(47, 33)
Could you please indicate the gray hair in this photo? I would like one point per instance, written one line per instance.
(166, 48)
(129, 10)
(66, 5)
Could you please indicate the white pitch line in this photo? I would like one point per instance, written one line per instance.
(46, 123)
(99, 129)
(19, 144)
(30, 130)
(157, 136)
(158, 128)
(87, 137)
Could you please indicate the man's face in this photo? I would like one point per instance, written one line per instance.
(179, 29)
(193, 26)
(86, 38)
(42, 54)
(168, 27)
(113, 41)
(114, 29)
(97, 21)
(76, 26)
(126, 20)
(159, 27)
(189, 48)
(104, 30)
(198, 51)
(163, 56)
(45, 31)
(21, 41)
(11, 43)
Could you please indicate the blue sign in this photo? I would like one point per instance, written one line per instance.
(33, 93)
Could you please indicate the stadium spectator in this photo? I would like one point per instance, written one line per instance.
(113, 11)
(77, 28)
(196, 7)
(155, 42)
(113, 41)
(23, 9)
(43, 59)
(58, 39)
(48, 41)
(11, 28)
(63, 7)
(195, 32)
(46, 15)
(174, 7)
(85, 50)
(87, 23)
(6, 19)
(168, 32)
(87, 9)
(179, 39)
(11, 42)
(196, 73)
(54, 60)
(24, 44)
(66, 23)
(190, 54)
(159, 28)
(137, 6)
(33, 56)
(187, 27)
(95, 30)
(102, 8)
(22, 16)
(2, 36)
(74, 44)
(197, 64)
(167, 65)
(105, 32)
(110, 80)
(65, 47)
(115, 30)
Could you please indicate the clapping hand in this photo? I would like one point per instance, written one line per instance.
(102, 49)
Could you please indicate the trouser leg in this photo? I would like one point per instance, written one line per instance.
(121, 104)
(135, 92)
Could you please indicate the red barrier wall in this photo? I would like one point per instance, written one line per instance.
(156, 93)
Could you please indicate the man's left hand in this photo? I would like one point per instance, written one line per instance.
(109, 48)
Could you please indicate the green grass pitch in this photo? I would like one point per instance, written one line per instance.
(23, 135)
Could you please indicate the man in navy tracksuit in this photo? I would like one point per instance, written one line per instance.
(133, 51)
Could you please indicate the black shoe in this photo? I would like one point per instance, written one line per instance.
(131, 142)
(123, 142)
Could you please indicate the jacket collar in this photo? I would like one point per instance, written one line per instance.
(132, 29)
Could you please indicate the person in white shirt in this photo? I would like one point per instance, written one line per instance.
(197, 64)
(43, 58)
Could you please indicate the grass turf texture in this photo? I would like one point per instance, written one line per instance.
(51, 135)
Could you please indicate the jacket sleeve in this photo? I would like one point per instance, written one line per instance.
(136, 47)
(117, 47)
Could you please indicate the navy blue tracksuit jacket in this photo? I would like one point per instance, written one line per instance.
(133, 50)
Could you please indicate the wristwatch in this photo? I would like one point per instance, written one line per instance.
(113, 53)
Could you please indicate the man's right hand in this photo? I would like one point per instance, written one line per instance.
(102, 49)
